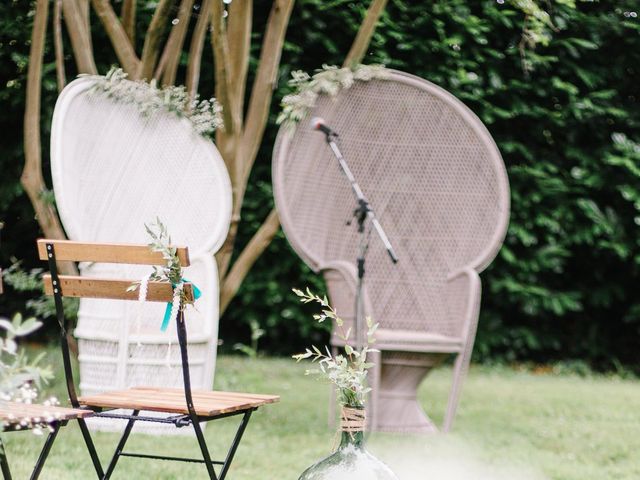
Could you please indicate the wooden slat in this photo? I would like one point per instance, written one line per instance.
(67, 250)
(218, 394)
(13, 413)
(87, 287)
(171, 400)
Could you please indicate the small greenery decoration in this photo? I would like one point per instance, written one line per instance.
(204, 115)
(329, 80)
(347, 372)
(172, 271)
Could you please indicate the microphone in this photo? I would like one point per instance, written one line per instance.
(317, 123)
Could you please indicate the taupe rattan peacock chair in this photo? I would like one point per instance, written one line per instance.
(437, 182)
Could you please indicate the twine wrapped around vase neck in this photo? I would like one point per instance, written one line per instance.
(352, 419)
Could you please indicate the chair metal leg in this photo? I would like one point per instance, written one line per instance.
(120, 447)
(90, 447)
(44, 453)
(4, 464)
(203, 448)
(206, 456)
(236, 442)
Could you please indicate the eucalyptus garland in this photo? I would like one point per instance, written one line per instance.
(329, 80)
(204, 115)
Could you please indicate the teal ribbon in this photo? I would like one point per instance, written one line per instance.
(167, 311)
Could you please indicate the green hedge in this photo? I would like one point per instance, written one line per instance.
(564, 284)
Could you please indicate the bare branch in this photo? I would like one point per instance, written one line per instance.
(223, 257)
(128, 19)
(119, 39)
(80, 37)
(365, 33)
(153, 39)
(227, 138)
(239, 37)
(173, 49)
(242, 151)
(197, 46)
(222, 68)
(58, 45)
(32, 179)
(264, 84)
(258, 244)
(231, 76)
(85, 13)
(32, 142)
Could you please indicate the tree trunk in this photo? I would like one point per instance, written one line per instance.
(118, 36)
(32, 179)
(246, 148)
(153, 39)
(80, 37)
(365, 33)
(58, 45)
(197, 46)
(250, 143)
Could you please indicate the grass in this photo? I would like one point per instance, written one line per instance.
(510, 425)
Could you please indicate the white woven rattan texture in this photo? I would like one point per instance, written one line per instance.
(113, 171)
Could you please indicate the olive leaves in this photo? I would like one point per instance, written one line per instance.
(348, 371)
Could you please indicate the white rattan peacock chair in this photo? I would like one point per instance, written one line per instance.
(115, 170)
(436, 180)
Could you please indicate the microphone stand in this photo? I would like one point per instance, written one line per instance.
(362, 213)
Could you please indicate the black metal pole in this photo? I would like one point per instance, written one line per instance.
(363, 212)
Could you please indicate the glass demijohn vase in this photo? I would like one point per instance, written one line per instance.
(351, 461)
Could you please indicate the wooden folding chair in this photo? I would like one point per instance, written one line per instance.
(184, 406)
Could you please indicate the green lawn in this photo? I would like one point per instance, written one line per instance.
(510, 425)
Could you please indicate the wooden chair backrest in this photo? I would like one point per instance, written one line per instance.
(116, 289)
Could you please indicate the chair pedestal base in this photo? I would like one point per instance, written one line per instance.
(398, 406)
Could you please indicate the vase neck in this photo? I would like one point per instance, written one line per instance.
(355, 439)
(352, 423)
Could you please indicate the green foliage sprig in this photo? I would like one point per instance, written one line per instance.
(204, 115)
(161, 242)
(347, 372)
(172, 271)
(328, 80)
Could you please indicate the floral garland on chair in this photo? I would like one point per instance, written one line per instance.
(205, 115)
(329, 80)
